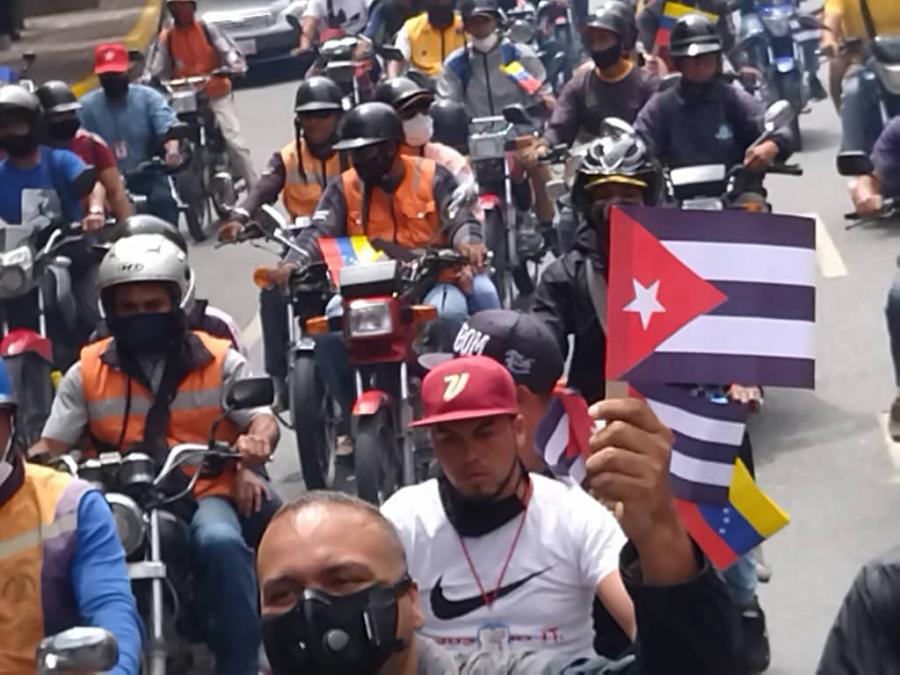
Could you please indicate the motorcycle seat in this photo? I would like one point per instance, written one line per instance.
(887, 49)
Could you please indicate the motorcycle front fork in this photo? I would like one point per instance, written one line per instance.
(157, 651)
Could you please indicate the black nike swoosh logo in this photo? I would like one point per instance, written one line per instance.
(453, 609)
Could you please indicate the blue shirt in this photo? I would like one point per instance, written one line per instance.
(46, 189)
(132, 128)
(100, 581)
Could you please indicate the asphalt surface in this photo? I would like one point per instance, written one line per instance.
(821, 454)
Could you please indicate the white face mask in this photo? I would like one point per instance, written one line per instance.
(418, 129)
(485, 44)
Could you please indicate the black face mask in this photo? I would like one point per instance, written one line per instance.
(62, 131)
(322, 150)
(440, 16)
(604, 58)
(115, 88)
(144, 334)
(19, 146)
(335, 634)
(376, 171)
(476, 516)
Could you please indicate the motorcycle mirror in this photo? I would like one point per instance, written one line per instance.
(854, 163)
(390, 53)
(669, 81)
(778, 115)
(520, 31)
(178, 132)
(78, 650)
(515, 114)
(293, 21)
(421, 79)
(252, 392)
(85, 181)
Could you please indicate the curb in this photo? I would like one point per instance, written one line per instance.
(140, 35)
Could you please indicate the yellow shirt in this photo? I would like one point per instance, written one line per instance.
(885, 16)
(426, 47)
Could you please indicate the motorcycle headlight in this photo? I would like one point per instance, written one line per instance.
(15, 267)
(369, 318)
(778, 20)
(130, 524)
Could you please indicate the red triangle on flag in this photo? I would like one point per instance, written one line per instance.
(652, 294)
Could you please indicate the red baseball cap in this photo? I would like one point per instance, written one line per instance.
(110, 58)
(467, 388)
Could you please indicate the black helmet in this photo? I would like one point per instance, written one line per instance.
(451, 124)
(617, 155)
(57, 97)
(369, 124)
(616, 17)
(694, 35)
(472, 8)
(317, 94)
(14, 98)
(398, 92)
(147, 224)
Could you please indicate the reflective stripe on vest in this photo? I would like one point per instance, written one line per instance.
(192, 54)
(302, 191)
(427, 49)
(38, 526)
(408, 216)
(196, 405)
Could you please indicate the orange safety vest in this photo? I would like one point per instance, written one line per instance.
(197, 404)
(303, 179)
(192, 54)
(408, 217)
(38, 538)
(429, 47)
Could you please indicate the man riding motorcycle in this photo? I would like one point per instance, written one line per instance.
(61, 561)
(428, 39)
(61, 128)
(298, 172)
(706, 120)
(133, 119)
(195, 47)
(156, 383)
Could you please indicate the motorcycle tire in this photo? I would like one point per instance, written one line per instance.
(312, 416)
(194, 193)
(496, 240)
(375, 456)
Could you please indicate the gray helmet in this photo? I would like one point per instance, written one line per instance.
(145, 257)
(16, 99)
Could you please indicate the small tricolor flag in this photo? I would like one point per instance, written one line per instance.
(563, 433)
(518, 74)
(672, 11)
(711, 296)
(725, 533)
(708, 437)
(341, 252)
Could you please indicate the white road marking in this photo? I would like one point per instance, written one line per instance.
(829, 259)
(252, 332)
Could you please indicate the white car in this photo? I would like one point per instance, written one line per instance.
(260, 27)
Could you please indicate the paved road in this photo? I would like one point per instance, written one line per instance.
(821, 454)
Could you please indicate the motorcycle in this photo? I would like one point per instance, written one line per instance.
(152, 507)
(880, 73)
(511, 228)
(547, 29)
(207, 182)
(781, 44)
(379, 323)
(77, 650)
(713, 187)
(36, 285)
(855, 163)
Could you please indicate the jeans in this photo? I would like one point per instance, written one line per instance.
(861, 118)
(741, 580)
(452, 304)
(223, 544)
(273, 318)
(892, 312)
(160, 201)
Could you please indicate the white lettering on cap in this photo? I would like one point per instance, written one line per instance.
(470, 342)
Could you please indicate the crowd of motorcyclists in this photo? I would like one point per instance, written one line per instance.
(524, 569)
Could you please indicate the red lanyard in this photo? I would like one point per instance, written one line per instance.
(490, 597)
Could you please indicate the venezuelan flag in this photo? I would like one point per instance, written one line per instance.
(341, 252)
(517, 73)
(725, 533)
(672, 11)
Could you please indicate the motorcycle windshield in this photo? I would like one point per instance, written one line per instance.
(777, 18)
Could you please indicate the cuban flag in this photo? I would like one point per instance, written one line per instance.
(708, 437)
(711, 296)
(341, 252)
(563, 433)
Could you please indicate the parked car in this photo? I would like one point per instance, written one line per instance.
(259, 27)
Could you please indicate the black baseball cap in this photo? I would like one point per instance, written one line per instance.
(520, 341)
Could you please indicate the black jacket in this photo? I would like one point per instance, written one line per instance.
(562, 301)
(863, 639)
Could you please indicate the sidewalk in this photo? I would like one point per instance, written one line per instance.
(64, 43)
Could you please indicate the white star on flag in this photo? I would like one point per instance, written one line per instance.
(645, 302)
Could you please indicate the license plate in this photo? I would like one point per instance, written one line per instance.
(247, 46)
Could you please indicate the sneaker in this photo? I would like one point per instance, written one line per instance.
(756, 639)
(894, 420)
(344, 446)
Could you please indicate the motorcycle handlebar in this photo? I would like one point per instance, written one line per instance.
(786, 169)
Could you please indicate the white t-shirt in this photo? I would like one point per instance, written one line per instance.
(569, 544)
(352, 15)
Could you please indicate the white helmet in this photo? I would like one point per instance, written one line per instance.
(145, 257)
